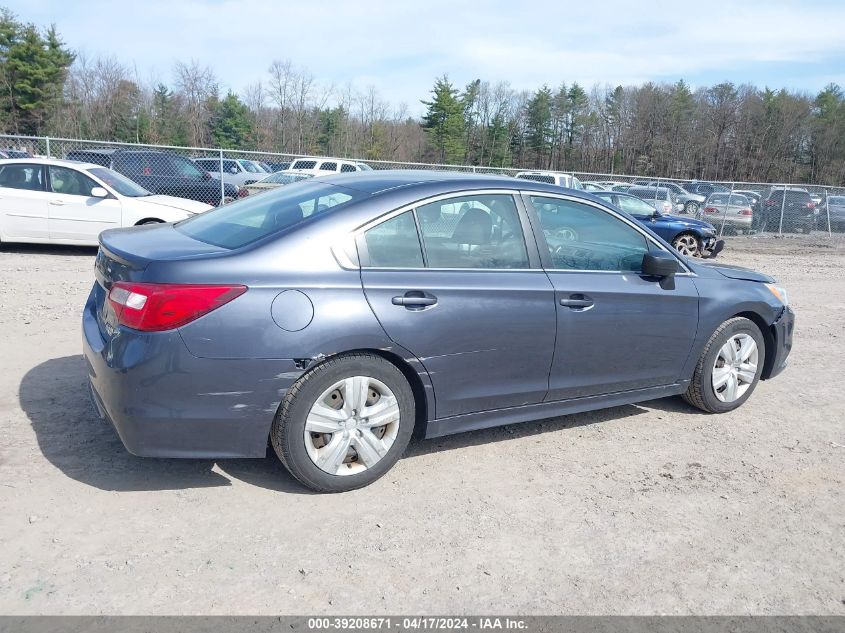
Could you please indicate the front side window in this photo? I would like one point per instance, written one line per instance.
(22, 176)
(475, 231)
(395, 243)
(255, 217)
(583, 237)
(70, 182)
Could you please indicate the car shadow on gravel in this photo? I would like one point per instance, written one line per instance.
(49, 249)
(54, 396)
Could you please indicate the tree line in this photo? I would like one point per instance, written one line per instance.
(721, 132)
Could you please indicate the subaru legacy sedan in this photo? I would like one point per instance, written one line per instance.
(336, 317)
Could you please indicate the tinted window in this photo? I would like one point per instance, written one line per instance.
(347, 167)
(583, 237)
(252, 218)
(70, 182)
(740, 201)
(22, 176)
(717, 198)
(329, 166)
(837, 200)
(478, 231)
(395, 243)
(649, 194)
(186, 168)
(304, 164)
(90, 157)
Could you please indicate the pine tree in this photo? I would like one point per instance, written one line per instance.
(230, 124)
(444, 121)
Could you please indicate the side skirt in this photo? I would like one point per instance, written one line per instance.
(543, 410)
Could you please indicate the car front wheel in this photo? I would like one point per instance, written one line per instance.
(687, 244)
(691, 207)
(344, 423)
(729, 367)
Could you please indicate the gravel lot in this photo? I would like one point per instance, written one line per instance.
(653, 508)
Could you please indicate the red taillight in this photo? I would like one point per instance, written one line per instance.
(156, 307)
(811, 205)
(746, 212)
(711, 210)
(243, 192)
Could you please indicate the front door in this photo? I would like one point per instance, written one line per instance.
(23, 202)
(455, 282)
(76, 215)
(617, 331)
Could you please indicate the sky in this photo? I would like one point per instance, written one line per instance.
(400, 46)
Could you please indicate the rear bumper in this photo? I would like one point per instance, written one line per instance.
(165, 402)
(782, 330)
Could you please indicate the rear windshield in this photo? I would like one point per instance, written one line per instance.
(252, 218)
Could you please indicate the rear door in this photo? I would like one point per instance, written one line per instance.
(617, 331)
(23, 202)
(74, 214)
(455, 282)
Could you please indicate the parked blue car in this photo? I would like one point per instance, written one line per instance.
(690, 237)
(337, 316)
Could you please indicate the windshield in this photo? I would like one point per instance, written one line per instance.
(250, 167)
(250, 219)
(120, 183)
(186, 168)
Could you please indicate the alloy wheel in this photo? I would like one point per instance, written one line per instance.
(352, 425)
(686, 245)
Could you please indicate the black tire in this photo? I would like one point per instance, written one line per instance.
(286, 435)
(700, 392)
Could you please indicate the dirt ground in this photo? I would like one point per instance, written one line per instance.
(647, 509)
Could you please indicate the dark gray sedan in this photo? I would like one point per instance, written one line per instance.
(336, 317)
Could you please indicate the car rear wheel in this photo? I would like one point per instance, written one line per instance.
(687, 244)
(691, 207)
(729, 367)
(344, 423)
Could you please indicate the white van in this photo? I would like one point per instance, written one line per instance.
(321, 166)
(552, 178)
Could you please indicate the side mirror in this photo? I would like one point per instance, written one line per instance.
(661, 266)
(99, 192)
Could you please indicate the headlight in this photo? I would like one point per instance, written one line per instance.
(779, 292)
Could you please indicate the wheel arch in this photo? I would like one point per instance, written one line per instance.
(768, 339)
(150, 219)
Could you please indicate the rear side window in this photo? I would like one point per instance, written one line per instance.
(538, 178)
(395, 243)
(255, 217)
(22, 176)
(328, 166)
(347, 167)
(304, 164)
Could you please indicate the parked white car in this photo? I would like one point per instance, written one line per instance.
(68, 202)
(321, 166)
(278, 179)
(236, 172)
(553, 178)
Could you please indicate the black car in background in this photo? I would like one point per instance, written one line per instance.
(794, 204)
(704, 188)
(163, 173)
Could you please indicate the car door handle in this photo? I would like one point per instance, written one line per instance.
(577, 301)
(57, 203)
(414, 299)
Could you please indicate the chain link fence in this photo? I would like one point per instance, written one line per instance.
(217, 176)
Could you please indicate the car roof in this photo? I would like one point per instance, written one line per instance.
(378, 181)
(60, 162)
